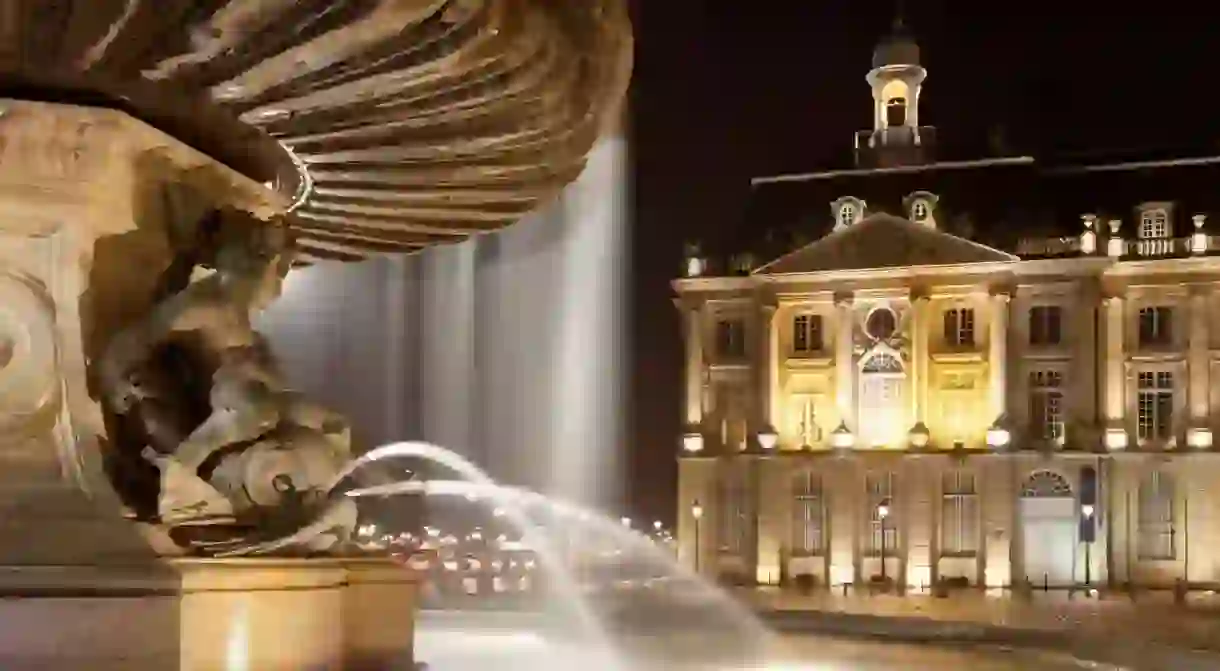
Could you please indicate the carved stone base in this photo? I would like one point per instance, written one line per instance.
(210, 615)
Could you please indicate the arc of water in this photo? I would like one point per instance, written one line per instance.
(466, 469)
(635, 541)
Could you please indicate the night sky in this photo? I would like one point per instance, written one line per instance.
(725, 90)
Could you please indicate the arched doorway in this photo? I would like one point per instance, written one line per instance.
(1048, 524)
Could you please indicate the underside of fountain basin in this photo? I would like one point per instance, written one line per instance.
(388, 125)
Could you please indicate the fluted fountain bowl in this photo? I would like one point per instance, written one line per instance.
(391, 125)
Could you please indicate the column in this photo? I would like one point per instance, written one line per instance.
(1113, 395)
(774, 512)
(694, 365)
(845, 378)
(919, 358)
(1200, 406)
(997, 357)
(919, 484)
(1082, 327)
(766, 367)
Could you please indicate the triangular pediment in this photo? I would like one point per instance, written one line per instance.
(882, 241)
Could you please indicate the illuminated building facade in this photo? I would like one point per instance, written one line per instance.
(998, 371)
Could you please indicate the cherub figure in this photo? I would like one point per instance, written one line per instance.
(232, 443)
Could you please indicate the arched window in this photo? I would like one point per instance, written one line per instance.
(881, 323)
(1046, 484)
(896, 112)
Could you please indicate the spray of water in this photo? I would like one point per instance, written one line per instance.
(570, 596)
(713, 612)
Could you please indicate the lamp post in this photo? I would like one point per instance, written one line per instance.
(883, 512)
(1086, 511)
(696, 511)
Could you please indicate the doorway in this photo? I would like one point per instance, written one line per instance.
(1048, 523)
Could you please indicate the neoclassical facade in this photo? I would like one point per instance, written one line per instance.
(901, 400)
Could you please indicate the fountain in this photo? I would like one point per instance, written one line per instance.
(164, 502)
(678, 621)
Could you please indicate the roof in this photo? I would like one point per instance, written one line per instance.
(883, 241)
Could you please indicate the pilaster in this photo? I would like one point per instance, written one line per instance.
(845, 488)
(774, 514)
(998, 486)
(1083, 330)
(766, 369)
(694, 372)
(845, 378)
(920, 305)
(997, 356)
(919, 488)
(1113, 394)
(1198, 360)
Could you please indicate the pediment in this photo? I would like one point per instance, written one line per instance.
(882, 241)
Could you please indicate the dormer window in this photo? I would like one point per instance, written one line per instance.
(919, 211)
(921, 207)
(846, 211)
(1154, 223)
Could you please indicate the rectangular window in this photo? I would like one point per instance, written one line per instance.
(1046, 405)
(959, 515)
(1155, 405)
(1045, 325)
(881, 530)
(808, 515)
(731, 338)
(959, 327)
(1156, 326)
(1156, 517)
(807, 334)
(734, 515)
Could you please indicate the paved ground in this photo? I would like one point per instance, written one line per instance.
(477, 641)
(1152, 616)
(1150, 632)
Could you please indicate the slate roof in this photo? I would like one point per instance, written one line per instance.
(883, 241)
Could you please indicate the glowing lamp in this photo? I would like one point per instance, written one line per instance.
(1087, 510)
(919, 435)
(998, 436)
(656, 525)
(768, 439)
(692, 443)
(626, 521)
(696, 510)
(1199, 438)
(1116, 438)
(842, 438)
(883, 510)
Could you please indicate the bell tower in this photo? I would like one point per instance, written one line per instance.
(896, 80)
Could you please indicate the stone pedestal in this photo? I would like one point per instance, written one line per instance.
(211, 615)
(89, 199)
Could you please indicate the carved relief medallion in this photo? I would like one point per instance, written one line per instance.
(29, 384)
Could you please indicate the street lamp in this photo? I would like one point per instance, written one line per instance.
(919, 435)
(656, 525)
(997, 435)
(1086, 510)
(696, 511)
(841, 438)
(883, 512)
(768, 439)
(626, 521)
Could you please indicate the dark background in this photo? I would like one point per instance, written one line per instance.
(727, 90)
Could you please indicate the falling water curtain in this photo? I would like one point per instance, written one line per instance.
(508, 348)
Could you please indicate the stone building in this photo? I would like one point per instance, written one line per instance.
(997, 370)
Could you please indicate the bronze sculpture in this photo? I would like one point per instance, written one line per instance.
(240, 460)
